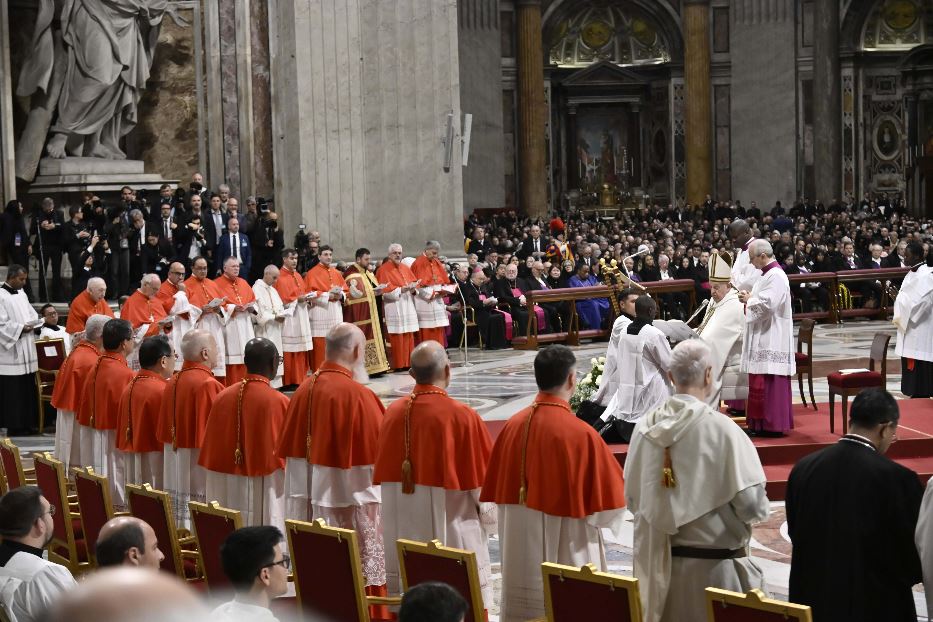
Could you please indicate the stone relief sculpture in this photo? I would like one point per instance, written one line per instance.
(88, 64)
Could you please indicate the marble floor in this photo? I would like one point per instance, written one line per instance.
(499, 383)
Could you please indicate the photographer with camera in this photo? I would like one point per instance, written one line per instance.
(189, 240)
(267, 239)
(77, 234)
(307, 245)
(47, 229)
(156, 254)
(92, 261)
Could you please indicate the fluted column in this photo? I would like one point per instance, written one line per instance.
(827, 102)
(697, 115)
(532, 114)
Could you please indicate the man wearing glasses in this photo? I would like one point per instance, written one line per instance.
(253, 560)
(28, 583)
(851, 516)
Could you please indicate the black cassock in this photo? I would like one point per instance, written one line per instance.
(851, 516)
(490, 324)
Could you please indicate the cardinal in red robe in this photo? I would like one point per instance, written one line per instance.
(399, 306)
(89, 302)
(326, 308)
(238, 329)
(296, 330)
(432, 312)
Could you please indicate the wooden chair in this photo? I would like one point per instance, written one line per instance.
(584, 593)
(804, 360)
(847, 385)
(212, 524)
(155, 508)
(469, 313)
(337, 594)
(14, 474)
(726, 606)
(93, 493)
(68, 546)
(422, 562)
(51, 356)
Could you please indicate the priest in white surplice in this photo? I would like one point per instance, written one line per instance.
(695, 485)
(768, 347)
(432, 459)
(642, 360)
(744, 274)
(270, 318)
(29, 584)
(557, 486)
(913, 317)
(722, 329)
(18, 361)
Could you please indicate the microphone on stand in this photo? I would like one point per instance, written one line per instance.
(702, 306)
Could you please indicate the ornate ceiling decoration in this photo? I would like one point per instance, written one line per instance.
(898, 25)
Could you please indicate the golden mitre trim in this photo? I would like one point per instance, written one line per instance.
(720, 267)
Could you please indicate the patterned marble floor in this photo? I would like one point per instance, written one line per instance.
(499, 383)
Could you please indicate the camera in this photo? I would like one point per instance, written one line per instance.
(262, 204)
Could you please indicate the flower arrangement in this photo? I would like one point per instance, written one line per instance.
(589, 384)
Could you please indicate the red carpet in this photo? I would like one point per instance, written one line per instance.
(914, 448)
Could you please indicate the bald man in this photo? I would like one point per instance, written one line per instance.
(270, 314)
(186, 404)
(66, 396)
(446, 447)
(128, 541)
(145, 313)
(243, 430)
(89, 302)
(178, 309)
(329, 445)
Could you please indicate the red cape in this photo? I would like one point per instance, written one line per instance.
(186, 404)
(81, 308)
(320, 278)
(449, 442)
(201, 292)
(142, 399)
(238, 292)
(430, 271)
(569, 471)
(290, 285)
(344, 421)
(260, 423)
(395, 276)
(71, 377)
(100, 398)
(139, 310)
(166, 295)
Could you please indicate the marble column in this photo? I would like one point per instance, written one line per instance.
(362, 93)
(698, 118)
(827, 102)
(532, 110)
(7, 160)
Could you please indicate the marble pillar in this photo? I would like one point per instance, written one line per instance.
(697, 101)
(764, 160)
(7, 160)
(362, 93)
(532, 110)
(480, 49)
(827, 102)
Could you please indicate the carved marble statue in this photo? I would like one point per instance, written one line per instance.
(89, 62)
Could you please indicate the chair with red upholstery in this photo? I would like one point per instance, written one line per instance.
(726, 606)
(328, 578)
(68, 546)
(155, 508)
(572, 594)
(847, 385)
(50, 354)
(422, 562)
(14, 474)
(93, 493)
(804, 360)
(212, 524)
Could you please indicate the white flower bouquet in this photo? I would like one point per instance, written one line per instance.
(589, 384)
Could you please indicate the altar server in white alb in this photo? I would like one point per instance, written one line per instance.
(722, 329)
(643, 358)
(695, 485)
(29, 584)
(609, 385)
(18, 361)
(744, 273)
(913, 317)
(768, 347)
(270, 316)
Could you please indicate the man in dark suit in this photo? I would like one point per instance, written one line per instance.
(233, 244)
(48, 231)
(213, 221)
(895, 258)
(168, 224)
(534, 243)
(554, 311)
(851, 516)
(479, 245)
(870, 290)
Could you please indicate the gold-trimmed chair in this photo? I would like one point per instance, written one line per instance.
(155, 508)
(849, 385)
(68, 546)
(726, 606)
(93, 492)
(421, 562)
(572, 594)
(49, 362)
(14, 475)
(337, 594)
(212, 524)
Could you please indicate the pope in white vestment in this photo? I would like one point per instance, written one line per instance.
(913, 317)
(270, 318)
(695, 485)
